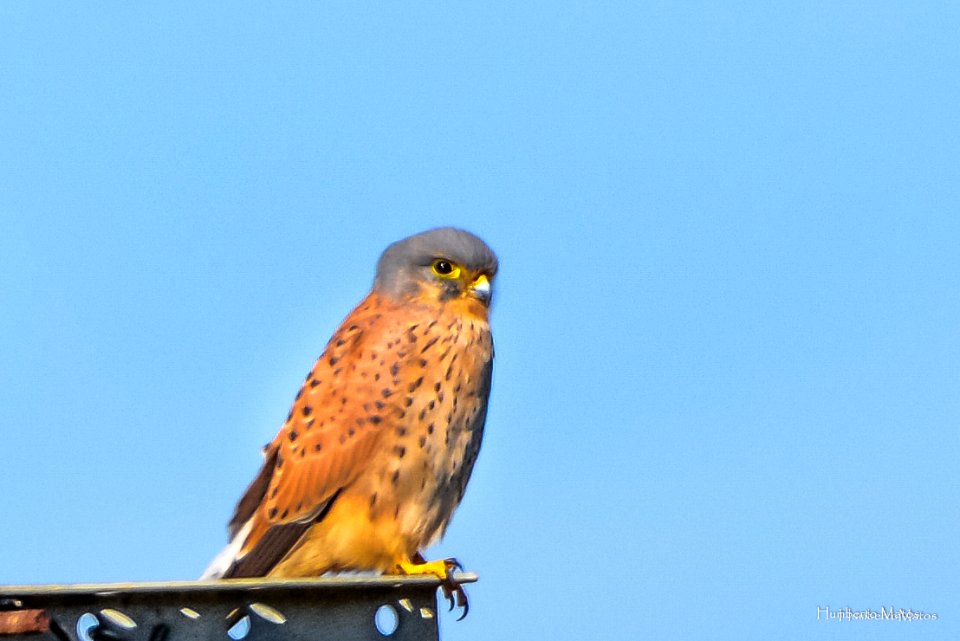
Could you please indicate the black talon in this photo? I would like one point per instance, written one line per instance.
(452, 564)
(462, 602)
(453, 591)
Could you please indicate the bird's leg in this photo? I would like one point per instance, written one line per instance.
(443, 570)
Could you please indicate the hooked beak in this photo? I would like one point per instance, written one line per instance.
(481, 288)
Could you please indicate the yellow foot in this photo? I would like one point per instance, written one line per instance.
(443, 570)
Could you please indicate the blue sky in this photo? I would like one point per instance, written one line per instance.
(727, 387)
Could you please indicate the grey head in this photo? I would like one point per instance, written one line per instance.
(450, 261)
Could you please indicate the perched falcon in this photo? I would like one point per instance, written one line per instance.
(377, 450)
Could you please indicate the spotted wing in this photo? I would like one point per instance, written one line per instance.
(330, 435)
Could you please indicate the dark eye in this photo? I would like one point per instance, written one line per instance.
(445, 269)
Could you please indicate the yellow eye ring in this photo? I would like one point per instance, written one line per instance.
(445, 269)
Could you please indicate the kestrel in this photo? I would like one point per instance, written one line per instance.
(377, 450)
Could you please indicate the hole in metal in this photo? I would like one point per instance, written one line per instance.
(85, 625)
(240, 629)
(386, 619)
(118, 618)
(267, 613)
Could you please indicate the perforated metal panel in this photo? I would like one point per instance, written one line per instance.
(342, 608)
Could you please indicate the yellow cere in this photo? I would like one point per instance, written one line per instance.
(481, 282)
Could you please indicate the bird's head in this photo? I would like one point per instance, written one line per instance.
(445, 265)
